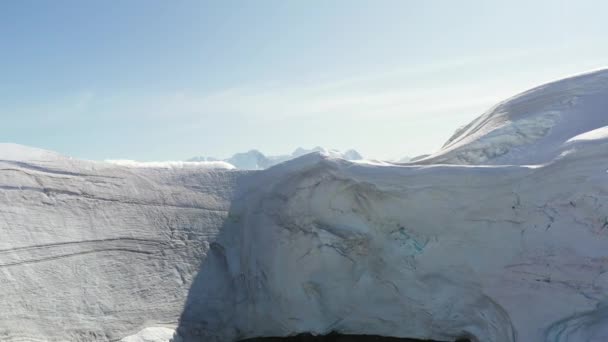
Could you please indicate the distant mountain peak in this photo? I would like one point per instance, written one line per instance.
(255, 160)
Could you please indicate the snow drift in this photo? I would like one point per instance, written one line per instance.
(503, 253)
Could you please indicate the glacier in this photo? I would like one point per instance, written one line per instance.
(500, 236)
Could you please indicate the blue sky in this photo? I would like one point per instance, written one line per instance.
(168, 80)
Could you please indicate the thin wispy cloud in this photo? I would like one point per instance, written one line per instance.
(401, 92)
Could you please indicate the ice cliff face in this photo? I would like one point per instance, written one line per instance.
(502, 253)
(493, 254)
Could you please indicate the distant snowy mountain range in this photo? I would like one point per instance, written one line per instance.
(256, 160)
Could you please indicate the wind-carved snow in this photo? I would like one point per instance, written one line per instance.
(501, 253)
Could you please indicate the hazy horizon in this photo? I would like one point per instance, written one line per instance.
(168, 81)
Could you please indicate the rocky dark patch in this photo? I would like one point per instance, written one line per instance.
(335, 337)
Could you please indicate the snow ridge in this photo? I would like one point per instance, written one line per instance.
(531, 127)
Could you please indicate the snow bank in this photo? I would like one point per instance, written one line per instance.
(153, 334)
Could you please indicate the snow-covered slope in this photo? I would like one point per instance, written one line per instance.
(256, 160)
(501, 253)
(532, 127)
(95, 251)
